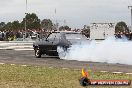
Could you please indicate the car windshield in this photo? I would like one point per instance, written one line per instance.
(68, 36)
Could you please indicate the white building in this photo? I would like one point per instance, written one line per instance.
(130, 28)
(100, 31)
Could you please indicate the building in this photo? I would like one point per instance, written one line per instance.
(100, 31)
(130, 28)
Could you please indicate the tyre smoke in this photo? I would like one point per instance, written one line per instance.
(109, 51)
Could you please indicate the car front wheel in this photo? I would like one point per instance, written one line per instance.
(37, 53)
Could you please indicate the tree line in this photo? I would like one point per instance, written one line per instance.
(32, 22)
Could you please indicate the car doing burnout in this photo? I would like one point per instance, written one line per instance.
(49, 45)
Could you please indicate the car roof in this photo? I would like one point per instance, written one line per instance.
(67, 32)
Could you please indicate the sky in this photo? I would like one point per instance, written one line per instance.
(74, 13)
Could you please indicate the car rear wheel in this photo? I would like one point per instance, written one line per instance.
(37, 53)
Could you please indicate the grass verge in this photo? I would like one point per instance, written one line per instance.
(16, 76)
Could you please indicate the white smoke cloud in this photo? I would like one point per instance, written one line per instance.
(110, 51)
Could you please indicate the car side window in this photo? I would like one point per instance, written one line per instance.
(54, 36)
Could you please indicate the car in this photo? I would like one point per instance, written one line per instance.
(49, 45)
(34, 35)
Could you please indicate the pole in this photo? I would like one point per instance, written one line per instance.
(130, 7)
(131, 18)
(64, 22)
(56, 23)
(25, 20)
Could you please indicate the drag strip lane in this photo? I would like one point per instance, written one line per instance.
(27, 58)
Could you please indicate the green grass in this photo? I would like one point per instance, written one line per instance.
(17, 76)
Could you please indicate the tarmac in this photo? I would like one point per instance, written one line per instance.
(22, 53)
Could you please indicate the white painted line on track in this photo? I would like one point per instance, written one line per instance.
(5, 49)
(50, 67)
(24, 65)
(2, 48)
(129, 73)
(36, 66)
(117, 72)
(103, 71)
(2, 63)
(22, 49)
(12, 64)
(65, 68)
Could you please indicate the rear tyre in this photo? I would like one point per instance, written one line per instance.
(37, 53)
(55, 54)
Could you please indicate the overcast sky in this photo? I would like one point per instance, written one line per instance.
(76, 12)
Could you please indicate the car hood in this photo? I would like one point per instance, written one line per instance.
(78, 41)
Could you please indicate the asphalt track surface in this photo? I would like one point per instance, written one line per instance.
(28, 58)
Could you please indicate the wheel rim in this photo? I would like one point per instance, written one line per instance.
(37, 53)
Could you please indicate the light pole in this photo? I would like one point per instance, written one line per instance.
(25, 20)
(56, 23)
(130, 7)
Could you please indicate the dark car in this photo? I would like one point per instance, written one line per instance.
(54, 40)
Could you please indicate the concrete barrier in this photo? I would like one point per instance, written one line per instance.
(14, 45)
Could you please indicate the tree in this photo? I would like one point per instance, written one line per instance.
(61, 28)
(32, 21)
(67, 28)
(86, 31)
(2, 25)
(46, 24)
(15, 25)
(12, 25)
(8, 26)
(121, 27)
